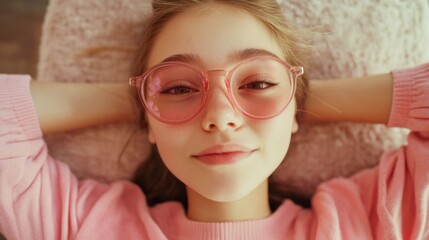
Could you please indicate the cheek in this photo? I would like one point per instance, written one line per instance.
(276, 134)
(171, 151)
(276, 144)
(172, 143)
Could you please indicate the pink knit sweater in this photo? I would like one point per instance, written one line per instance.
(41, 199)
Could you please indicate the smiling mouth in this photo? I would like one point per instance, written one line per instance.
(223, 158)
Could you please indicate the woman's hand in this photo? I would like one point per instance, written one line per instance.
(68, 106)
(366, 99)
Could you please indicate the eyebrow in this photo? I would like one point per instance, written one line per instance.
(185, 57)
(236, 56)
(243, 54)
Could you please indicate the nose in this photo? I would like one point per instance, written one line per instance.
(220, 113)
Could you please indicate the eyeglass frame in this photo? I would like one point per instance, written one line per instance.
(138, 82)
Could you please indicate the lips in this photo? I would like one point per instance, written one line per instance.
(224, 154)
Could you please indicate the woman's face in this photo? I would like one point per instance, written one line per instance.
(212, 34)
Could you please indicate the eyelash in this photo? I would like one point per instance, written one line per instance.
(259, 81)
(179, 86)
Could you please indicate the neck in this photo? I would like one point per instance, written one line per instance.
(253, 206)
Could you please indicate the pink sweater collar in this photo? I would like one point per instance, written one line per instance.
(173, 221)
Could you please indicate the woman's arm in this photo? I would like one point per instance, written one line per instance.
(365, 99)
(40, 198)
(69, 106)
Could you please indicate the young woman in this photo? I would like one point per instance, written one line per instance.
(220, 84)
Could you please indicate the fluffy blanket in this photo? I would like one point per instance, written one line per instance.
(360, 37)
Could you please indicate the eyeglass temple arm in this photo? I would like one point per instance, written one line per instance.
(134, 81)
(297, 70)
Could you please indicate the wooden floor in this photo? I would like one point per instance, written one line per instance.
(20, 24)
(20, 29)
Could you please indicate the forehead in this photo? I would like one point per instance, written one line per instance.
(213, 34)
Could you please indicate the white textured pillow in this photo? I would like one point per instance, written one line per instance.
(366, 37)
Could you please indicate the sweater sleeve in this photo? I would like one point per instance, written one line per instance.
(410, 108)
(35, 190)
(40, 198)
(403, 175)
(390, 201)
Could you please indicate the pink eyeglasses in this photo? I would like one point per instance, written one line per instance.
(259, 87)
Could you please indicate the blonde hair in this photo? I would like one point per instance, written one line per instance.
(157, 182)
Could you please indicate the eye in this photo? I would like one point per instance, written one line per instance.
(179, 90)
(257, 85)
